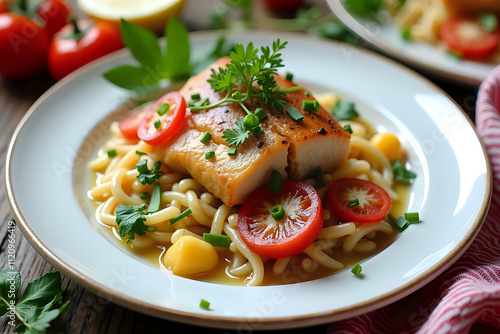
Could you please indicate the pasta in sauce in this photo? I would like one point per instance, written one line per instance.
(339, 244)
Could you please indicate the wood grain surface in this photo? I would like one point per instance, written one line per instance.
(87, 312)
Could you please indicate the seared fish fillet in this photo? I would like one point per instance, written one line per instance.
(295, 149)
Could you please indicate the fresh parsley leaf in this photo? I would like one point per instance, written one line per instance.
(344, 111)
(37, 307)
(237, 136)
(147, 176)
(130, 220)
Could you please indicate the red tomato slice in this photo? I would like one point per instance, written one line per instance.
(298, 229)
(130, 124)
(374, 202)
(170, 123)
(466, 36)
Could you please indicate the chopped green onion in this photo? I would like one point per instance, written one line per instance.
(191, 103)
(310, 105)
(353, 203)
(401, 173)
(205, 138)
(144, 196)
(183, 214)
(406, 34)
(157, 124)
(319, 177)
(412, 217)
(289, 76)
(489, 21)
(400, 223)
(278, 212)
(204, 304)
(232, 151)
(356, 270)
(155, 203)
(307, 94)
(139, 153)
(260, 113)
(111, 153)
(195, 96)
(217, 240)
(257, 131)
(344, 111)
(294, 114)
(275, 182)
(209, 155)
(348, 128)
(164, 107)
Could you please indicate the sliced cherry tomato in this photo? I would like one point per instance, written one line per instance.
(466, 36)
(79, 43)
(289, 236)
(55, 13)
(130, 124)
(374, 201)
(168, 124)
(23, 46)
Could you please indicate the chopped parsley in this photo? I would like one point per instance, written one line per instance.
(237, 136)
(130, 220)
(147, 176)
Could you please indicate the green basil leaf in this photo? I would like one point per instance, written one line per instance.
(175, 62)
(143, 45)
(132, 78)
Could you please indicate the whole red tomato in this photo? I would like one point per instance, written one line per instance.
(3, 9)
(55, 13)
(23, 46)
(284, 5)
(77, 44)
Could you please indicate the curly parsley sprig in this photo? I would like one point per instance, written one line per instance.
(237, 80)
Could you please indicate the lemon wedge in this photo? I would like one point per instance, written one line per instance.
(152, 14)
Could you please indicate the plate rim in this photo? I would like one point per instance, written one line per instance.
(391, 51)
(228, 322)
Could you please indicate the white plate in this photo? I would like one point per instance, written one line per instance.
(386, 38)
(451, 192)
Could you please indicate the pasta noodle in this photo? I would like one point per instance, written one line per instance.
(116, 183)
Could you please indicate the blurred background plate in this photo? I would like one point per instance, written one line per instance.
(386, 38)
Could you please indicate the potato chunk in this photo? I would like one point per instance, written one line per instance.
(190, 256)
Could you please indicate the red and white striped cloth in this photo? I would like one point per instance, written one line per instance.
(469, 291)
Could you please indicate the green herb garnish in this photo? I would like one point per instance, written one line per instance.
(155, 203)
(38, 305)
(344, 111)
(278, 212)
(275, 182)
(147, 176)
(205, 138)
(489, 21)
(111, 153)
(401, 174)
(356, 270)
(183, 214)
(217, 240)
(130, 220)
(204, 304)
(209, 155)
(353, 203)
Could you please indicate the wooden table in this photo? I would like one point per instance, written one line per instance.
(87, 312)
